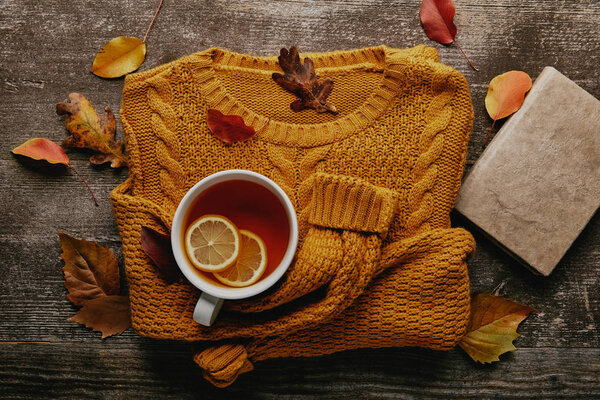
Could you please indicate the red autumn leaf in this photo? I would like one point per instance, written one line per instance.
(46, 150)
(107, 314)
(437, 17)
(157, 247)
(229, 128)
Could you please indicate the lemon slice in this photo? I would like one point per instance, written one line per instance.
(250, 265)
(212, 243)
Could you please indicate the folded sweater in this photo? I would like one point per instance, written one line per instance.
(377, 262)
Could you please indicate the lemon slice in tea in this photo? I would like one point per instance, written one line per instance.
(250, 265)
(212, 243)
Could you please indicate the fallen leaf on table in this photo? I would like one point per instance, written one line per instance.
(505, 95)
(492, 327)
(91, 271)
(119, 57)
(91, 131)
(301, 80)
(437, 17)
(230, 128)
(46, 150)
(157, 247)
(107, 314)
(42, 149)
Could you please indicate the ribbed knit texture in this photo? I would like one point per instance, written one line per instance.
(377, 263)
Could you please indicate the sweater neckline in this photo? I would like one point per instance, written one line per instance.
(302, 135)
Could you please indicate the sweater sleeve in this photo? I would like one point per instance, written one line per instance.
(338, 203)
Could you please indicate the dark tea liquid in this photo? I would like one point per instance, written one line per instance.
(249, 206)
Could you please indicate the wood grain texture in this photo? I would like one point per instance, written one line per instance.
(47, 50)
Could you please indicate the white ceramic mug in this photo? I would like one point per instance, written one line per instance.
(212, 297)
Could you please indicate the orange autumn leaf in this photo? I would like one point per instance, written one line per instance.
(91, 271)
(42, 149)
(492, 327)
(107, 314)
(119, 57)
(92, 131)
(506, 94)
(46, 150)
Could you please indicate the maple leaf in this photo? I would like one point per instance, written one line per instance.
(505, 95)
(157, 247)
(118, 57)
(230, 128)
(107, 314)
(492, 327)
(437, 17)
(301, 80)
(91, 271)
(41, 149)
(91, 131)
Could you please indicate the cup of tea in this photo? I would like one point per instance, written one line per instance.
(252, 203)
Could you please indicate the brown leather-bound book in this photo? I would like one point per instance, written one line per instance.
(537, 184)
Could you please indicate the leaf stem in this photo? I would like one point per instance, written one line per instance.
(469, 61)
(152, 22)
(489, 133)
(85, 183)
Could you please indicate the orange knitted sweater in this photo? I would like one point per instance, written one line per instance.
(377, 263)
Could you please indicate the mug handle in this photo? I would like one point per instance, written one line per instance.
(207, 309)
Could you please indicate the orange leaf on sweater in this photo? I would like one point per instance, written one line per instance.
(107, 314)
(492, 327)
(505, 95)
(91, 271)
(229, 128)
(92, 131)
(437, 17)
(301, 80)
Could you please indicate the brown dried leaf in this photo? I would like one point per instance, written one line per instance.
(492, 327)
(92, 131)
(107, 314)
(301, 80)
(91, 271)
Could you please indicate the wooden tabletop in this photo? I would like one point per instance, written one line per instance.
(46, 52)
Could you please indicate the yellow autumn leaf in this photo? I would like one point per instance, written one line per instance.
(119, 57)
(492, 327)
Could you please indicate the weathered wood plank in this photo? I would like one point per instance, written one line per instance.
(47, 50)
(165, 370)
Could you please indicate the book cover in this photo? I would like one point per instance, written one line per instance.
(537, 184)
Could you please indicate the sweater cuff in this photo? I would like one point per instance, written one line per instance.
(342, 202)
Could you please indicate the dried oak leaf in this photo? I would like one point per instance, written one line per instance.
(301, 80)
(92, 131)
(157, 247)
(107, 314)
(91, 271)
(492, 326)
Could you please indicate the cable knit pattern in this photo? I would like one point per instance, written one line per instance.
(377, 262)
(168, 149)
